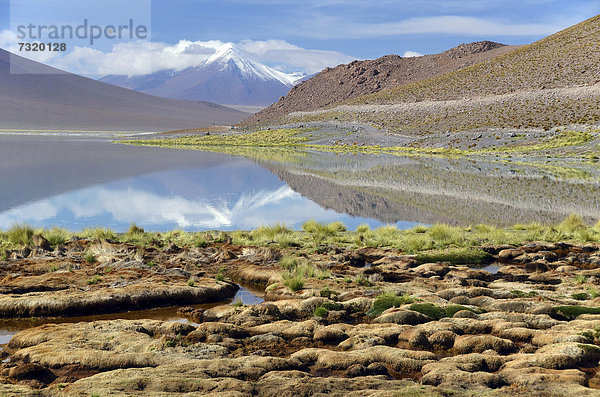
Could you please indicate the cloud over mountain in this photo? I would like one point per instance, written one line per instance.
(141, 58)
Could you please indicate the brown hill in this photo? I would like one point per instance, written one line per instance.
(36, 96)
(554, 82)
(336, 85)
(568, 58)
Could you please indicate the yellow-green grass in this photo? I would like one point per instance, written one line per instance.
(292, 145)
(438, 240)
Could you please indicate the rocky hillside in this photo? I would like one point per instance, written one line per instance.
(336, 85)
(554, 82)
(566, 59)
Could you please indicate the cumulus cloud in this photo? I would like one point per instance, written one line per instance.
(411, 54)
(143, 57)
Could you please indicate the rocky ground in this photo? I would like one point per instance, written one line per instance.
(368, 321)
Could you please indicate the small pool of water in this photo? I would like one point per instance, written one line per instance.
(6, 336)
(493, 268)
(249, 296)
(8, 327)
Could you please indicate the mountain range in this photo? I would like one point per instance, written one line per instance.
(35, 96)
(229, 76)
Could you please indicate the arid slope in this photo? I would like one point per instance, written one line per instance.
(336, 85)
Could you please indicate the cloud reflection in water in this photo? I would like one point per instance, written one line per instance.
(151, 205)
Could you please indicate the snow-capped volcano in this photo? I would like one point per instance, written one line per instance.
(229, 76)
(227, 56)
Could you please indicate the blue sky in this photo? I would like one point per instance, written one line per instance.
(342, 30)
(344, 25)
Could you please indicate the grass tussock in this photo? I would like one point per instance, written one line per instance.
(386, 301)
(19, 235)
(435, 243)
(57, 236)
(99, 233)
(296, 273)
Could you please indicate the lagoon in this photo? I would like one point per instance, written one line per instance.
(80, 181)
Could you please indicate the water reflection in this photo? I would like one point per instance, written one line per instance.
(219, 197)
(78, 183)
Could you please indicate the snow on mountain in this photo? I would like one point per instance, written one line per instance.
(229, 76)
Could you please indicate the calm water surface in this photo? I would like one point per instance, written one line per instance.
(78, 182)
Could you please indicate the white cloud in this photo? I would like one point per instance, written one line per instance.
(289, 57)
(411, 54)
(330, 27)
(7, 37)
(142, 57)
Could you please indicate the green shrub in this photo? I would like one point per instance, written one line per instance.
(320, 231)
(416, 242)
(321, 312)
(386, 301)
(592, 335)
(326, 293)
(94, 280)
(136, 235)
(384, 236)
(289, 262)
(191, 282)
(238, 303)
(334, 306)
(362, 281)
(199, 241)
(444, 235)
(267, 234)
(322, 274)
(90, 257)
(419, 229)
(221, 274)
(135, 229)
(222, 237)
(521, 294)
(581, 279)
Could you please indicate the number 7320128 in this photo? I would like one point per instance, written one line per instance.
(38, 47)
